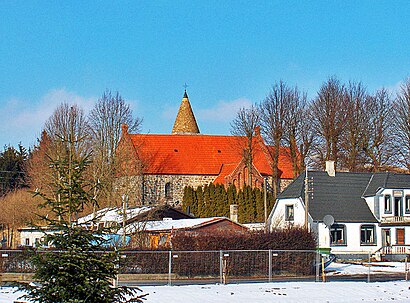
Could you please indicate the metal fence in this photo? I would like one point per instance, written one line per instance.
(220, 266)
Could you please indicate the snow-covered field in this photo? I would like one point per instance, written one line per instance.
(269, 292)
(281, 292)
(358, 269)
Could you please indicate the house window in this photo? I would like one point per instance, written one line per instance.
(338, 234)
(27, 241)
(387, 204)
(168, 193)
(289, 213)
(367, 235)
(407, 204)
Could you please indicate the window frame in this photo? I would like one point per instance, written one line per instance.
(289, 216)
(168, 190)
(388, 209)
(365, 227)
(344, 240)
(407, 204)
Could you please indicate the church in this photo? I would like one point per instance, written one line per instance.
(157, 167)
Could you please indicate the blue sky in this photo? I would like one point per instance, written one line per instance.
(228, 52)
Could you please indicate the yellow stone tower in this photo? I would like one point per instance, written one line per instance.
(185, 123)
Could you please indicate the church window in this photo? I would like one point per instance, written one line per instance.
(168, 192)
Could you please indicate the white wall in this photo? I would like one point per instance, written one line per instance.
(382, 194)
(33, 236)
(352, 235)
(277, 216)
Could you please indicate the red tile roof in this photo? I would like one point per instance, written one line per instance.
(201, 155)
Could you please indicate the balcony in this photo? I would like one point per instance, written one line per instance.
(395, 220)
(395, 249)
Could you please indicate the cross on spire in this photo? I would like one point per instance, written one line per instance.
(185, 86)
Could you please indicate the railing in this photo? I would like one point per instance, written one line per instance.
(395, 249)
(395, 219)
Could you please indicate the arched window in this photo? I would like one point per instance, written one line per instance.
(168, 190)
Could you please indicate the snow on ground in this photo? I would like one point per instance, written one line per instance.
(357, 269)
(286, 292)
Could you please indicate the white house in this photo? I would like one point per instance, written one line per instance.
(371, 211)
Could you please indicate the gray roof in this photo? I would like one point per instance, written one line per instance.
(339, 196)
(387, 180)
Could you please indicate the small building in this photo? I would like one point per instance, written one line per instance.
(32, 236)
(154, 234)
(107, 218)
(114, 217)
(366, 212)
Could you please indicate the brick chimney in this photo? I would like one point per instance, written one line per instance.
(234, 212)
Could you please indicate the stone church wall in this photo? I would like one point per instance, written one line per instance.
(166, 189)
(160, 189)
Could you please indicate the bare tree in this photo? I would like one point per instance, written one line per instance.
(307, 137)
(402, 125)
(329, 117)
(352, 138)
(68, 124)
(245, 125)
(298, 135)
(106, 118)
(275, 109)
(378, 132)
(17, 209)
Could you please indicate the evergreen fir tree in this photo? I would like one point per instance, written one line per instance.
(207, 201)
(213, 201)
(222, 201)
(188, 199)
(200, 202)
(260, 205)
(75, 270)
(241, 207)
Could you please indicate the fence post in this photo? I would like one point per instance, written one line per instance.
(270, 265)
(170, 268)
(317, 266)
(368, 274)
(406, 270)
(221, 266)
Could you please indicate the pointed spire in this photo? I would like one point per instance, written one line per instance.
(185, 123)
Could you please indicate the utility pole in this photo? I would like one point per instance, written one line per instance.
(124, 217)
(306, 200)
(265, 202)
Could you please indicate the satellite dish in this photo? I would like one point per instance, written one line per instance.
(328, 220)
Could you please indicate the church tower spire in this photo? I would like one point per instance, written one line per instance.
(185, 123)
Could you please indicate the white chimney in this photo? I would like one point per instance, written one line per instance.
(330, 168)
(234, 212)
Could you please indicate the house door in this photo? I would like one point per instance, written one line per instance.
(398, 208)
(386, 237)
(400, 236)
